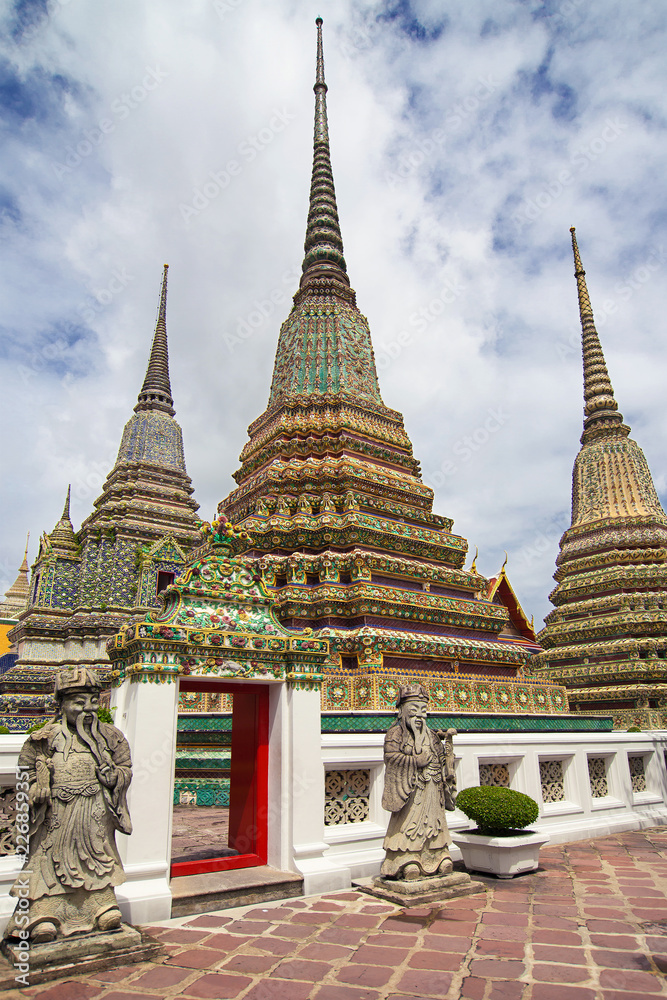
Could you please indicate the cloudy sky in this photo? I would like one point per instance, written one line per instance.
(466, 139)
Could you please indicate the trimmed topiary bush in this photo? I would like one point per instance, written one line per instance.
(497, 811)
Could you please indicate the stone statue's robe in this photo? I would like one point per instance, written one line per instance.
(73, 863)
(415, 793)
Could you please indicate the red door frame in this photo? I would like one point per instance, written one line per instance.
(249, 777)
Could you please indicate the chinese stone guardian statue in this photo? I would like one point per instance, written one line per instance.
(77, 770)
(419, 789)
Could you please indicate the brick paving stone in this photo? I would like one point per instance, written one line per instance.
(443, 961)
(507, 990)
(324, 952)
(323, 904)
(179, 936)
(620, 960)
(452, 928)
(385, 940)
(642, 982)
(496, 968)
(296, 932)
(319, 917)
(619, 941)
(506, 919)
(339, 935)
(463, 916)
(493, 933)
(225, 942)
(376, 908)
(124, 995)
(284, 911)
(297, 968)
(365, 975)
(347, 896)
(560, 973)
(381, 956)
(216, 986)
(251, 964)
(555, 910)
(161, 976)
(403, 925)
(472, 988)
(114, 975)
(555, 923)
(346, 993)
(549, 991)
(446, 942)
(541, 936)
(208, 920)
(196, 958)
(248, 926)
(280, 989)
(501, 949)
(275, 945)
(70, 990)
(609, 927)
(432, 985)
(552, 953)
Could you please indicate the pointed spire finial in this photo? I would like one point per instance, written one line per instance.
(66, 513)
(156, 391)
(24, 564)
(601, 412)
(473, 566)
(323, 247)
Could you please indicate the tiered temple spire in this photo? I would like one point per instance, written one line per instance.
(341, 524)
(607, 636)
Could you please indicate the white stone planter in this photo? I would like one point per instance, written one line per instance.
(501, 856)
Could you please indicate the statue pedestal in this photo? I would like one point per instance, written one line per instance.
(421, 891)
(74, 955)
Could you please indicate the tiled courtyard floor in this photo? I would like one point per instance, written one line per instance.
(591, 924)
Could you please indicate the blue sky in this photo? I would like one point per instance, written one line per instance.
(466, 139)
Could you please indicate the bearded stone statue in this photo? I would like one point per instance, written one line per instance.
(78, 772)
(419, 786)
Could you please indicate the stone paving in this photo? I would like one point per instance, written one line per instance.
(591, 924)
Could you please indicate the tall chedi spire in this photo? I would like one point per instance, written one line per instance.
(341, 524)
(325, 344)
(609, 627)
(156, 391)
(136, 540)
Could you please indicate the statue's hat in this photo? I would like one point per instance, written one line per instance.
(408, 691)
(76, 679)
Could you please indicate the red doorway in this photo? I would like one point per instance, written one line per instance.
(249, 768)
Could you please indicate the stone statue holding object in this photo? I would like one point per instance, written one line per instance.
(78, 772)
(419, 789)
(419, 786)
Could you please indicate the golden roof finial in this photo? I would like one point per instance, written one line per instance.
(473, 568)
